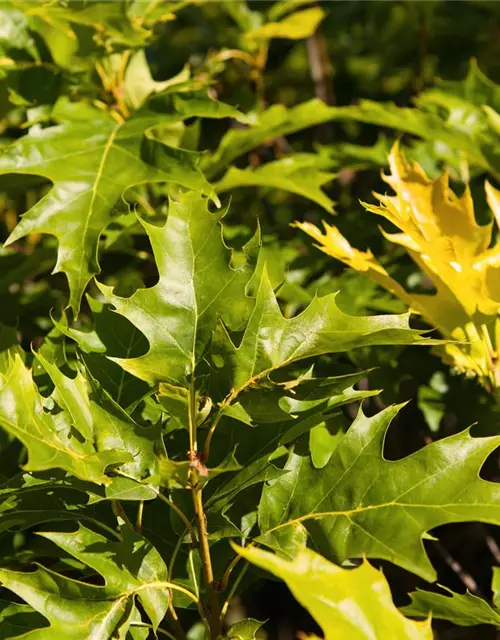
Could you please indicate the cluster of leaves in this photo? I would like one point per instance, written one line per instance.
(181, 407)
(441, 234)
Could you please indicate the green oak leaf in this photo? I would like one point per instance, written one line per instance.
(257, 446)
(86, 435)
(271, 341)
(131, 567)
(463, 609)
(288, 400)
(346, 505)
(91, 159)
(108, 19)
(115, 336)
(49, 437)
(99, 418)
(276, 121)
(243, 630)
(28, 499)
(197, 285)
(347, 603)
(302, 174)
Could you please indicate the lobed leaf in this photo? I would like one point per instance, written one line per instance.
(196, 285)
(91, 162)
(346, 603)
(346, 505)
(131, 568)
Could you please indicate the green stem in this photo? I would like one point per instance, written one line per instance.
(181, 515)
(235, 586)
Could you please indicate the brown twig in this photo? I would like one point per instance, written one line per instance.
(492, 545)
(212, 608)
(322, 76)
(321, 67)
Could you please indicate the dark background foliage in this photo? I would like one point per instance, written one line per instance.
(384, 51)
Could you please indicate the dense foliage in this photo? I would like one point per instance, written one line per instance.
(195, 402)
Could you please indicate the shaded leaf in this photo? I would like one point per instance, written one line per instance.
(16, 619)
(463, 609)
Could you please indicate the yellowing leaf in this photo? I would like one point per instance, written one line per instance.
(440, 233)
(297, 26)
(352, 604)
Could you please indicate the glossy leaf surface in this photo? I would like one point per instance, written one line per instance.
(345, 504)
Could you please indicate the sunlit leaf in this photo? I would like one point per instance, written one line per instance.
(440, 233)
(130, 567)
(345, 505)
(197, 284)
(302, 174)
(91, 162)
(346, 603)
(298, 25)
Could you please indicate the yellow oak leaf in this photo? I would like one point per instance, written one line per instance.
(440, 233)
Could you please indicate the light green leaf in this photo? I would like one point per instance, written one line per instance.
(324, 438)
(98, 417)
(282, 7)
(296, 26)
(244, 630)
(130, 564)
(276, 121)
(139, 84)
(90, 433)
(15, 32)
(49, 437)
(346, 505)
(346, 603)
(108, 19)
(196, 285)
